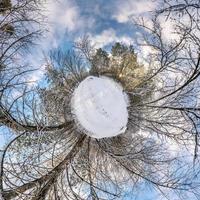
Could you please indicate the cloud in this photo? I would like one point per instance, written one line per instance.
(168, 29)
(36, 76)
(108, 37)
(63, 15)
(126, 9)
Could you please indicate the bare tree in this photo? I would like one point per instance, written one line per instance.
(51, 158)
(176, 62)
(20, 27)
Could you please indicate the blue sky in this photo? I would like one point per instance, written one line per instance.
(71, 19)
(104, 21)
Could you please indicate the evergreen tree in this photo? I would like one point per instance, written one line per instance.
(100, 60)
(118, 49)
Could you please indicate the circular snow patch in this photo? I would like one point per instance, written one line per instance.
(100, 107)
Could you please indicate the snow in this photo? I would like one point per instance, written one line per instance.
(100, 107)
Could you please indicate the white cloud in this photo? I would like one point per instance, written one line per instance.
(63, 15)
(36, 76)
(126, 9)
(69, 19)
(168, 29)
(104, 38)
(107, 37)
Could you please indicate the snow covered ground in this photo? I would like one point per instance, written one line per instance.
(100, 107)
